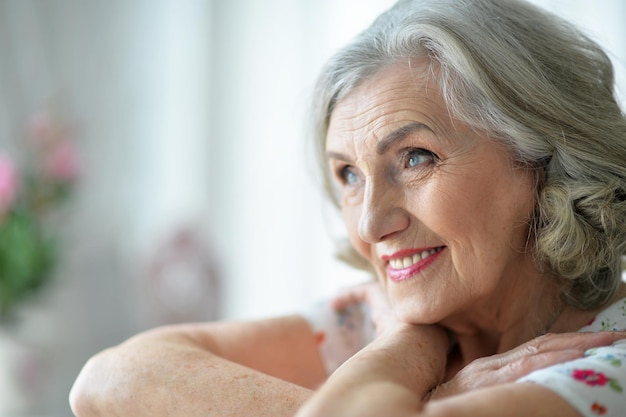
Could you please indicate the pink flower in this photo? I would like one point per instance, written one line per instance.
(8, 183)
(51, 142)
(590, 377)
(61, 163)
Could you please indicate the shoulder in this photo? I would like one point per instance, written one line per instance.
(612, 318)
(594, 384)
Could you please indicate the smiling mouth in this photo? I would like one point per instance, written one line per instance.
(403, 268)
(409, 261)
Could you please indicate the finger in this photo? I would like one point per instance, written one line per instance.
(524, 366)
(576, 341)
(538, 353)
(488, 372)
(556, 343)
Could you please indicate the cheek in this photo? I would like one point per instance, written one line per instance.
(489, 228)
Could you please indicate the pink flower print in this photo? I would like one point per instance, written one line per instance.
(8, 183)
(590, 377)
(596, 379)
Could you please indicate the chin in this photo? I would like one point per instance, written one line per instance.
(413, 314)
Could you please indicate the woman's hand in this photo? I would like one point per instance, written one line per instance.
(538, 353)
(373, 295)
(390, 376)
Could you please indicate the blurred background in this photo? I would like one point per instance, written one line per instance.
(162, 145)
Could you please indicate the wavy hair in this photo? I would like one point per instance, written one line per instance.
(537, 84)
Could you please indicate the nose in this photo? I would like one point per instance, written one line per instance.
(382, 212)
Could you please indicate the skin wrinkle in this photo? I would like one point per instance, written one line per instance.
(444, 193)
(398, 135)
(484, 272)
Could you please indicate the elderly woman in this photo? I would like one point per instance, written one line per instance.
(477, 154)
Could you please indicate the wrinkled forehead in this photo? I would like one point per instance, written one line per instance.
(400, 95)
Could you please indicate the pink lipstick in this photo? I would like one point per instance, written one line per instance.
(405, 264)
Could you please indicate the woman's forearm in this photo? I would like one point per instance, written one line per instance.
(392, 398)
(389, 377)
(170, 373)
(175, 382)
(511, 400)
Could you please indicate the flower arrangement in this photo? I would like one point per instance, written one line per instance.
(32, 190)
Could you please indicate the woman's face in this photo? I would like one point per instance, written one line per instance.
(438, 209)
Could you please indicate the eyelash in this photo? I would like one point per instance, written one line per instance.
(408, 153)
(344, 171)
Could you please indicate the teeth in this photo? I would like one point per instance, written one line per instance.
(411, 260)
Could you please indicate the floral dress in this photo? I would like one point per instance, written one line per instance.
(594, 384)
(340, 334)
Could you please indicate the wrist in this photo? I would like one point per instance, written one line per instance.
(412, 356)
(393, 372)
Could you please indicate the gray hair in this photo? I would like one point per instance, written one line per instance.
(538, 85)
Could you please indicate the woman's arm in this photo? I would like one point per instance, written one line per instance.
(511, 400)
(262, 368)
(394, 376)
(388, 377)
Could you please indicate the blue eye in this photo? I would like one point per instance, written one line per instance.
(417, 157)
(347, 175)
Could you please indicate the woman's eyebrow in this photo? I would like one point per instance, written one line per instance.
(336, 155)
(399, 134)
(387, 141)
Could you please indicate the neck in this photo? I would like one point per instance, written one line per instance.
(546, 314)
(573, 319)
(507, 318)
